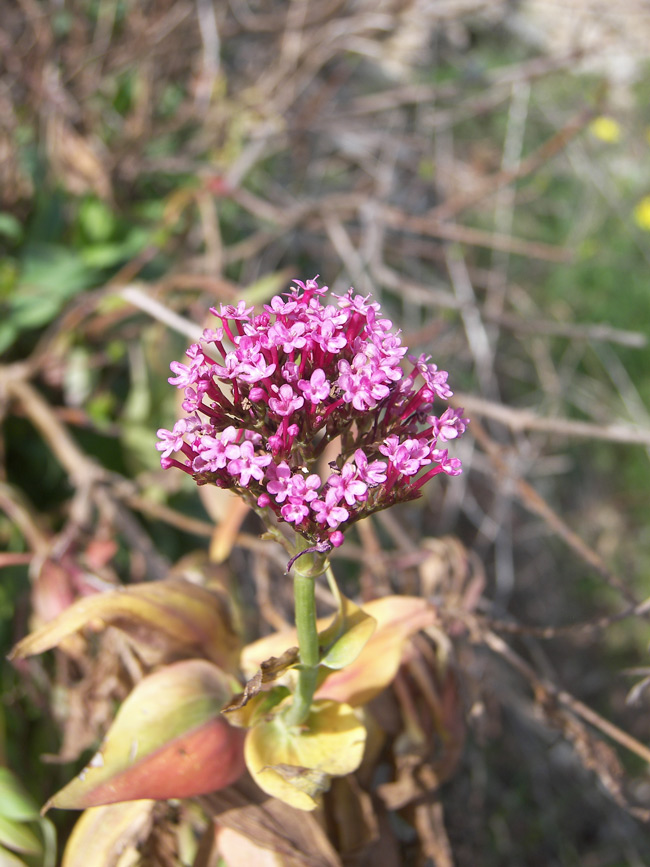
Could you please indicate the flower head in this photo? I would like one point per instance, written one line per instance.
(267, 392)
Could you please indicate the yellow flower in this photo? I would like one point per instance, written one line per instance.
(606, 129)
(642, 214)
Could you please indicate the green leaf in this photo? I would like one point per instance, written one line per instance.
(15, 803)
(398, 617)
(54, 268)
(8, 859)
(347, 634)
(96, 220)
(168, 740)
(18, 837)
(10, 227)
(8, 333)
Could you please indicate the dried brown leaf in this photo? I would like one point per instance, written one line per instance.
(297, 838)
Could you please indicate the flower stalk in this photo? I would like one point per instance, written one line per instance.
(308, 566)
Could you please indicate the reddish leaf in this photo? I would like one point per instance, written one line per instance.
(168, 740)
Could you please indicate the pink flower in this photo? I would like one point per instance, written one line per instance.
(268, 392)
(228, 311)
(280, 478)
(373, 473)
(450, 425)
(280, 307)
(347, 486)
(289, 338)
(287, 402)
(254, 371)
(327, 511)
(185, 375)
(246, 464)
(231, 368)
(213, 452)
(450, 466)
(294, 512)
(435, 380)
(318, 387)
(172, 441)
(407, 457)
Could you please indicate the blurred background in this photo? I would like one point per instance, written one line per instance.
(483, 168)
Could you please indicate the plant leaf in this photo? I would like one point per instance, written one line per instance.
(8, 859)
(19, 837)
(185, 613)
(347, 634)
(398, 617)
(294, 764)
(168, 740)
(247, 704)
(107, 832)
(15, 803)
(341, 639)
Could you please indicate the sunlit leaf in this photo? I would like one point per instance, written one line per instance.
(107, 832)
(245, 707)
(295, 763)
(341, 639)
(398, 617)
(96, 220)
(347, 634)
(168, 740)
(183, 612)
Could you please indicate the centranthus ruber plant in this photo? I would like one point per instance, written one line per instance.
(264, 395)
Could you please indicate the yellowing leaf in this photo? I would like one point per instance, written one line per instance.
(606, 129)
(341, 639)
(184, 613)
(295, 763)
(398, 617)
(107, 832)
(168, 740)
(347, 635)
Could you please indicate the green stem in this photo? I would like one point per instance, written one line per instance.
(307, 569)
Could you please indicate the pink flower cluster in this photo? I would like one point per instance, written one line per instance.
(265, 394)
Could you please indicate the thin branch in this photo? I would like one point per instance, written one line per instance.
(519, 420)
